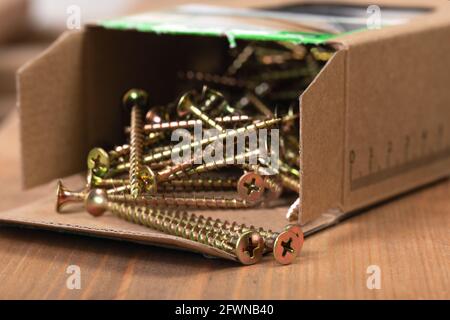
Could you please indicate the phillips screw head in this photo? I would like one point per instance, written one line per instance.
(98, 162)
(250, 247)
(251, 187)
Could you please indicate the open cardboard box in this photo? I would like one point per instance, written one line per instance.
(373, 124)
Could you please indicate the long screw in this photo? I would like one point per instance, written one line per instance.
(212, 78)
(213, 165)
(171, 200)
(136, 100)
(205, 184)
(290, 183)
(118, 194)
(188, 124)
(184, 148)
(246, 247)
(189, 103)
(284, 245)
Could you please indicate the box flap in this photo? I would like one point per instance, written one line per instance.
(52, 121)
(322, 110)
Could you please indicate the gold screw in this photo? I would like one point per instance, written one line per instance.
(205, 184)
(290, 183)
(285, 245)
(188, 103)
(170, 200)
(98, 162)
(166, 154)
(213, 165)
(65, 196)
(274, 188)
(246, 247)
(241, 59)
(136, 100)
(186, 124)
(251, 186)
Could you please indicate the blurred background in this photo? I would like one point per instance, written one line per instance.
(29, 26)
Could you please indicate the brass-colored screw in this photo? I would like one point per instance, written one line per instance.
(166, 154)
(205, 184)
(213, 165)
(285, 168)
(170, 200)
(285, 245)
(136, 100)
(251, 186)
(211, 78)
(65, 196)
(320, 54)
(187, 124)
(274, 188)
(241, 59)
(259, 105)
(246, 247)
(189, 103)
(292, 73)
(290, 183)
(292, 213)
(98, 162)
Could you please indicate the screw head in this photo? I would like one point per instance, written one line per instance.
(185, 103)
(135, 97)
(251, 186)
(148, 179)
(96, 202)
(250, 247)
(98, 162)
(287, 246)
(156, 115)
(295, 228)
(62, 196)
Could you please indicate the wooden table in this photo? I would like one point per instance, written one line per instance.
(407, 238)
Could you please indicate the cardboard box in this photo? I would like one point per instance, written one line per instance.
(373, 124)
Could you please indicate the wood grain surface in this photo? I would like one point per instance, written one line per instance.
(408, 238)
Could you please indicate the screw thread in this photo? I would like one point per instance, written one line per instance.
(200, 184)
(290, 183)
(175, 223)
(168, 200)
(167, 152)
(136, 151)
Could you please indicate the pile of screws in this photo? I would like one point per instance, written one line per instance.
(140, 181)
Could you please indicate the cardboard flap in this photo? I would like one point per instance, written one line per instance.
(322, 110)
(52, 121)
